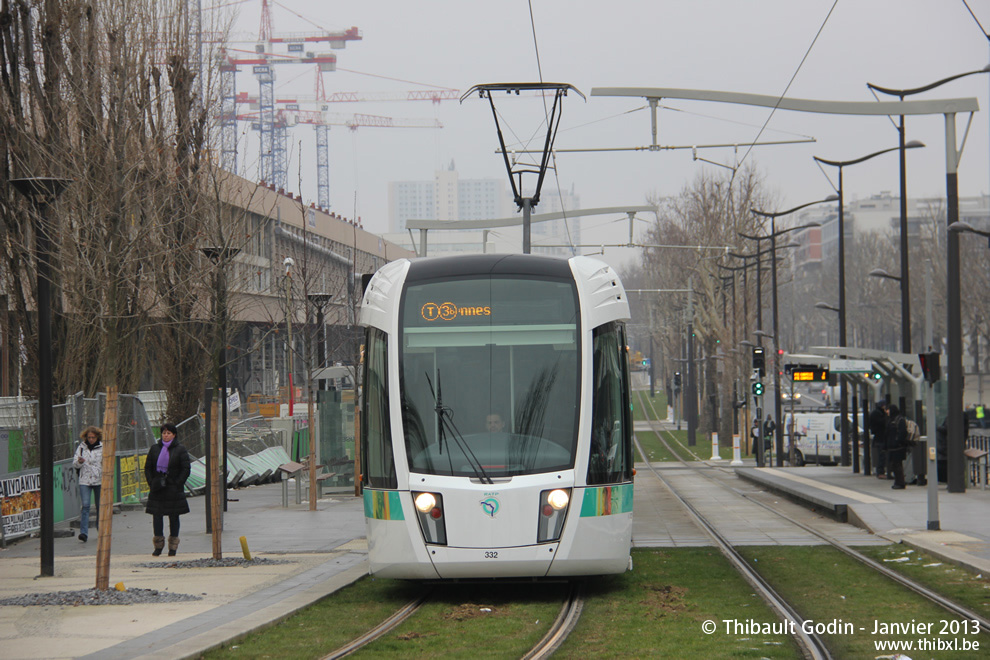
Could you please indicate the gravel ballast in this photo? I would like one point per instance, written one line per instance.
(97, 597)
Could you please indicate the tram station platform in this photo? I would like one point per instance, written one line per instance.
(323, 550)
(963, 537)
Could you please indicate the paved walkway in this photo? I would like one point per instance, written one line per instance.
(325, 550)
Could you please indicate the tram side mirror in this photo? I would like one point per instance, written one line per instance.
(365, 280)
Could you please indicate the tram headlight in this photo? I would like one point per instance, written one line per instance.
(558, 499)
(429, 513)
(552, 514)
(425, 502)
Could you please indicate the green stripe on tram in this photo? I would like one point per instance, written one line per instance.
(607, 500)
(383, 505)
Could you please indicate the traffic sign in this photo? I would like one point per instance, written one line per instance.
(850, 366)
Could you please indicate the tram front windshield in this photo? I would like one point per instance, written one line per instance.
(489, 376)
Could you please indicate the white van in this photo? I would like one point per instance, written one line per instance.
(818, 437)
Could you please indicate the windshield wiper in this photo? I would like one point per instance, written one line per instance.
(445, 421)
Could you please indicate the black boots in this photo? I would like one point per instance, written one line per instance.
(173, 545)
(159, 542)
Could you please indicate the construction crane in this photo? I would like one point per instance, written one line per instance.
(272, 157)
(434, 95)
(321, 121)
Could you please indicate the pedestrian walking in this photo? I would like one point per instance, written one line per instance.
(166, 469)
(88, 461)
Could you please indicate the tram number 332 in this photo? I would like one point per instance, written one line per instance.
(491, 554)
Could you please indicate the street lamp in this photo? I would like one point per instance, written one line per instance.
(959, 226)
(831, 308)
(779, 436)
(843, 404)
(954, 368)
(758, 262)
(881, 273)
(42, 193)
(904, 279)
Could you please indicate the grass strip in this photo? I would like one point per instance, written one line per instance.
(825, 586)
(678, 440)
(491, 620)
(961, 585)
(654, 449)
(326, 625)
(659, 608)
(643, 411)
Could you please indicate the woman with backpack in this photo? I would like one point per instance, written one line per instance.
(897, 441)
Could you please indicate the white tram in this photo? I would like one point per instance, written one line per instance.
(495, 426)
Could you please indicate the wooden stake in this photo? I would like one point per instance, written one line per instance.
(219, 481)
(106, 491)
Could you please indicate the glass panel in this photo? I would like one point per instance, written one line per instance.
(490, 376)
(377, 462)
(611, 441)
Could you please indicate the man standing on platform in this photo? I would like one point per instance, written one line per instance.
(878, 428)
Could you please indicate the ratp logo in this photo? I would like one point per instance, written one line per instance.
(489, 506)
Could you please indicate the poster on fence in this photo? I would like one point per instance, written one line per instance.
(21, 504)
(133, 487)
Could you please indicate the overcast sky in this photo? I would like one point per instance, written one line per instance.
(754, 46)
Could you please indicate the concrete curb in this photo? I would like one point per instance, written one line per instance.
(260, 619)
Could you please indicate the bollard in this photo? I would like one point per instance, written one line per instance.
(736, 451)
(715, 455)
(244, 548)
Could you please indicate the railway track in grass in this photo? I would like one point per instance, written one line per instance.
(945, 603)
(568, 617)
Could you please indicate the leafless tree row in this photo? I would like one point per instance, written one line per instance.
(712, 212)
(112, 95)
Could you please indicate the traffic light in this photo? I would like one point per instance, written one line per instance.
(757, 388)
(759, 361)
(930, 366)
(877, 376)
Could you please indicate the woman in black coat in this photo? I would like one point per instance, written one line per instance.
(166, 475)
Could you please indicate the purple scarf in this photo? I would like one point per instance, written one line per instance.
(163, 456)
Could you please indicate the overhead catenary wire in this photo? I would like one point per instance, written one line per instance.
(546, 122)
(790, 82)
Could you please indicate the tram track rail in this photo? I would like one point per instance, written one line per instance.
(811, 644)
(936, 598)
(562, 626)
(382, 629)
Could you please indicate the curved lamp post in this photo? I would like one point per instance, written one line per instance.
(959, 227)
(773, 215)
(843, 404)
(953, 310)
(904, 279)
